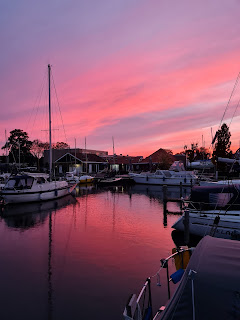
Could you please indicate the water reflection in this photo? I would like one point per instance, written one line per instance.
(29, 215)
(97, 247)
(173, 192)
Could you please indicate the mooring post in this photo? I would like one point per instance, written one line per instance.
(181, 193)
(165, 205)
(180, 189)
(186, 226)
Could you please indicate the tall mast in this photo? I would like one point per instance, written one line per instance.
(7, 158)
(113, 151)
(75, 152)
(86, 154)
(50, 122)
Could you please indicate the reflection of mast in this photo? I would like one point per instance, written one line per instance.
(114, 213)
(50, 268)
(86, 213)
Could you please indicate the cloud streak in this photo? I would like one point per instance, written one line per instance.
(155, 74)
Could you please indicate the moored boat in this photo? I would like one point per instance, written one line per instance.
(31, 187)
(212, 209)
(86, 179)
(175, 176)
(208, 287)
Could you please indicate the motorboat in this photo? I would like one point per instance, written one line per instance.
(31, 187)
(175, 176)
(110, 181)
(86, 179)
(207, 285)
(212, 209)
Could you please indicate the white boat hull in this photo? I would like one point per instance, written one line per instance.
(201, 224)
(141, 179)
(36, 194)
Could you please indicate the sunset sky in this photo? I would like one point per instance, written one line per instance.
(152, 74)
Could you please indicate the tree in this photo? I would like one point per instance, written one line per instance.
(61, 145)
(18, 141)
(191, 153)
(222, 146)
(57, 145)
(37, 149)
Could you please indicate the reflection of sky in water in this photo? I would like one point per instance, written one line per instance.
(82, 258)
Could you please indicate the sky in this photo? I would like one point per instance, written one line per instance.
(144, 74)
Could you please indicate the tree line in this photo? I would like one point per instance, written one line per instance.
(221, 148)
(20, 148)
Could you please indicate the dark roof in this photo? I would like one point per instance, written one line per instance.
(82, 157)
(216, 283)
(123, 160)
(157, 156)
(89, 157)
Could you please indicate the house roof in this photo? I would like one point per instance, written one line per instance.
(127, 160)
(157, 156)
(83, 157)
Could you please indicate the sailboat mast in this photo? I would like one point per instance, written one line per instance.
(50, 122)
(113, 151)
(86, 155)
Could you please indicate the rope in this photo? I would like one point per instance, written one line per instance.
(59, 109)
(235, 85)
(36, 105)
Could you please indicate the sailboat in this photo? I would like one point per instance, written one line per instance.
(31, 187)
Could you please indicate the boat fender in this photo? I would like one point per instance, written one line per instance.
(56, 193)
(177, 276)
(185, 180)
(163, 178)
(148, 313)
(147, 178)
(181, 259)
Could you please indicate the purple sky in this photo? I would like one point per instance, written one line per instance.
(151, 74)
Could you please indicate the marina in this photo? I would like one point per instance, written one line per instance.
(80, 257)
(120, 160)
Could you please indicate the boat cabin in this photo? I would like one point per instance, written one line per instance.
(24, 181)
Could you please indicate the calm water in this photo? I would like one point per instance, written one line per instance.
(81, 258)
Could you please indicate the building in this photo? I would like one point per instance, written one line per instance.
(84, 161)
(159, 159)
(120, 163)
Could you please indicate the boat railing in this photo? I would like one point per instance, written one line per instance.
(203, 206)
(140, 307)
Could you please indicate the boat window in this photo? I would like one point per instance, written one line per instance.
(21, 183)
(167, 173)
(29, 182)
(10, 184)
(40, 180)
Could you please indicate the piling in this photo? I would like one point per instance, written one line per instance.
(186, 227)
(165, 205)
(181, 195)
(181, 190)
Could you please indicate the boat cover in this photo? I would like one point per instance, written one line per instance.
(208, 197)
(216, 283)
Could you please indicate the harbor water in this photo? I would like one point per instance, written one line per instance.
(81, 257)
